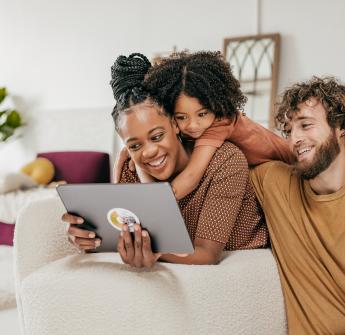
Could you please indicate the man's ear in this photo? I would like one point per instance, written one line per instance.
(339, 132)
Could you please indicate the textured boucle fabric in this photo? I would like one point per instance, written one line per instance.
(223, 207)
(96, 294)
(60, 291)
(7, 294)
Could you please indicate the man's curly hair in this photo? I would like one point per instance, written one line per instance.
(328, 90)
(202, 75)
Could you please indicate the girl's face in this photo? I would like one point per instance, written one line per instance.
(191, 117)
(151, 139)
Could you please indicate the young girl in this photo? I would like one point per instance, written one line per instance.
(201, 93)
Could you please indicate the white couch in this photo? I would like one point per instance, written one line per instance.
(60, 291)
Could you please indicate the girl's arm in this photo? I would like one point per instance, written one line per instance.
(190, 177)
(258, 144)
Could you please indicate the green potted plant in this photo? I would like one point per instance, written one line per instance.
(10, 119)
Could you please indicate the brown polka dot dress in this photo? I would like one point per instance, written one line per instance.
(223, 208)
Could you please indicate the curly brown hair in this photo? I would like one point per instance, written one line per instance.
(202, 75)
(328, 90)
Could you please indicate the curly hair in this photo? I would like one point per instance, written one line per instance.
(127, 75)
(202, 75)
(328, 90)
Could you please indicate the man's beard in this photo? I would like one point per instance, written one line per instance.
(325, 154)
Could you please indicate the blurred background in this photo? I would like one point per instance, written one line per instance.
(56, 56)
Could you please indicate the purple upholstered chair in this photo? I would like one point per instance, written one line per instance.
(6, 233)
(80, 166)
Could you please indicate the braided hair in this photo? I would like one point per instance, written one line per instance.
(127, 76)
(202, 75)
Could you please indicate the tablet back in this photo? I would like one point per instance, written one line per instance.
(106, 207)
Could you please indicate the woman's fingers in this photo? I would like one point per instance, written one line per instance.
(87, 243)
(72, 219)
(77, 232)
(147, 251)
(121, 248)
(81, 238)
(128, 245)
(149, 257)
(138, 255)
(84, 243)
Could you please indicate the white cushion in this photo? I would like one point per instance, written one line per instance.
(12, 202)
(15, 181)
(7, 295)
(97, 294)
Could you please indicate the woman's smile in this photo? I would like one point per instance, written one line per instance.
(157, 163)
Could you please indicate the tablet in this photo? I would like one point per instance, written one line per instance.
(106, 207)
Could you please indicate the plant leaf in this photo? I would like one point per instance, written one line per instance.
(3, 93)
(5, 132)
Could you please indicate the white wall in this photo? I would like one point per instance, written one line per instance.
(56, 55)
(313, 34)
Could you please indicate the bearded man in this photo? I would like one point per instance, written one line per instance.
(304, 205)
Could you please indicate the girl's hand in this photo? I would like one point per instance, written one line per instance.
(143, 176)
(119, 163)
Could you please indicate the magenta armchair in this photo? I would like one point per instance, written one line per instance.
(80, 166)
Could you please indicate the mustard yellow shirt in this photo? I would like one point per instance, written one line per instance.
(307, 233)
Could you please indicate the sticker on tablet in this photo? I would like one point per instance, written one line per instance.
(117, 217)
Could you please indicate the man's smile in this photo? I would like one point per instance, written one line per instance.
(304, 152)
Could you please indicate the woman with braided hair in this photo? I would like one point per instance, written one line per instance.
(222, 212)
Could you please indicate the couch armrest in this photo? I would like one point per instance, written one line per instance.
(96, 294)
(40, 236)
